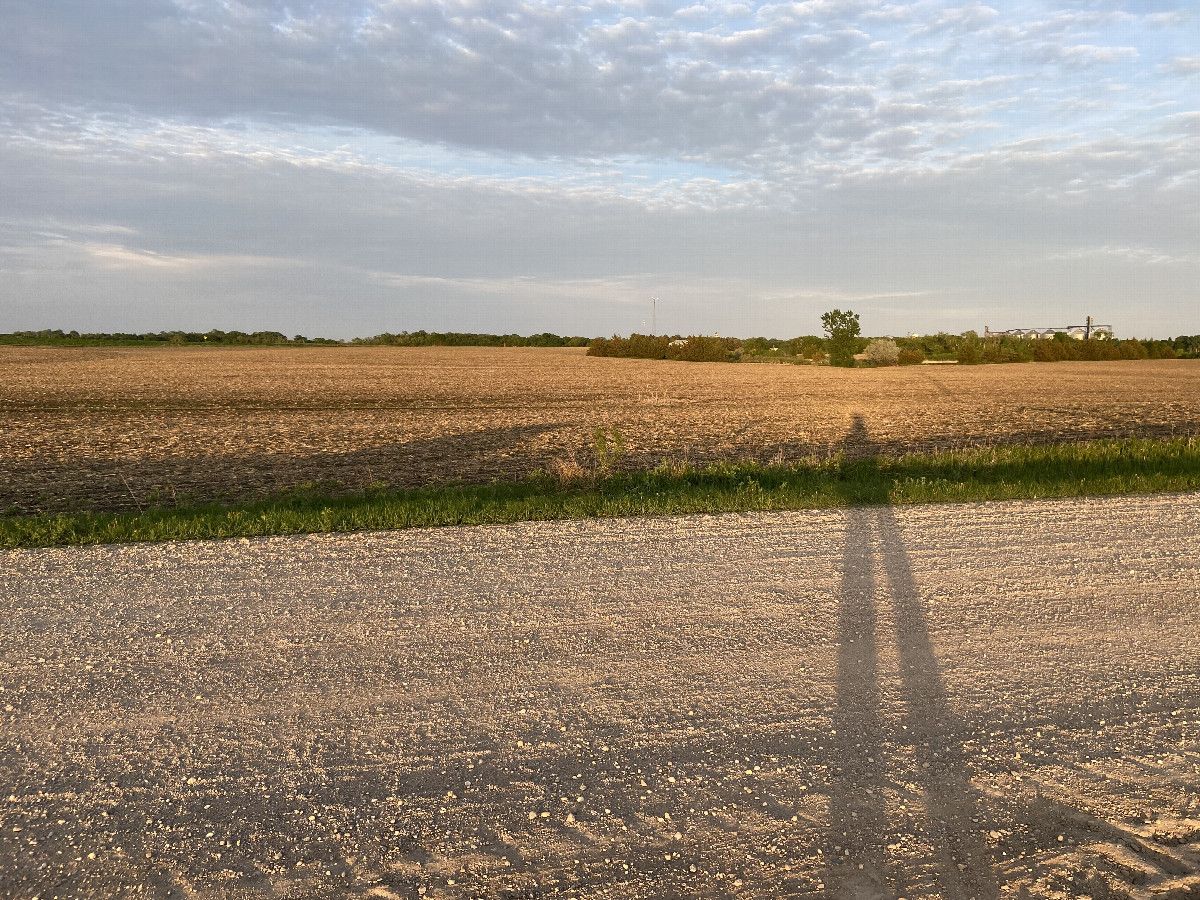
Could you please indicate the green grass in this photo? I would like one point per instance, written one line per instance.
(1063, 470)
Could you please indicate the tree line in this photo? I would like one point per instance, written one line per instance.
(58, 337)
(840, 344)
(467, 339)
(843, 345)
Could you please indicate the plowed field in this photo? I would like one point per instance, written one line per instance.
(117, 428)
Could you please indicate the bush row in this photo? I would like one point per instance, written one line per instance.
(973, 350)
(966, 348)
(465, 339)
(695, 348)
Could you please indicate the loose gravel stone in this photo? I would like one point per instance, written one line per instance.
(954, 701)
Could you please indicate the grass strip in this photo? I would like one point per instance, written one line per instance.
(1002, 473)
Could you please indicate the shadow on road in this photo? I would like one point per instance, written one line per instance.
(859, 817)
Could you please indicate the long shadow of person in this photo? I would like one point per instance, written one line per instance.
(859, 866)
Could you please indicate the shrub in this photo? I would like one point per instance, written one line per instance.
(883, 352)
(1161, 350)
(636, 346)
(1005, 349)
(695, 348)
(1047, 351)
(705, 349)
(812, 348)
(910, 358)
(970, 349)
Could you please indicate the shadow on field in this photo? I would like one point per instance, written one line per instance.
(110, 485)
(472, 456)
(857, 803)
(859, 445)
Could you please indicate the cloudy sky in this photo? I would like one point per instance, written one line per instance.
(347, 167)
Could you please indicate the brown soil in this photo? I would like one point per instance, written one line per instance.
(966, 701)
(115, 428)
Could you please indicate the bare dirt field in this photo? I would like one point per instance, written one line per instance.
(975, 701)
(114, 428)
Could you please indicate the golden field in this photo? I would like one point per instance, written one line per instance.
(101, 428)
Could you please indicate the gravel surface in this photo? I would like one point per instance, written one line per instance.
(948, 701)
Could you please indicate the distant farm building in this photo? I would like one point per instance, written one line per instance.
(1088, 332)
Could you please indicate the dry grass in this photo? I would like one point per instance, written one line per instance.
(115, 428)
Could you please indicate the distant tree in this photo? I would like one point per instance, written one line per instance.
(841, 328)
(970, 349)
(1187, 345)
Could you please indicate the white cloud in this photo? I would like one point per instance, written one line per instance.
(958, 20)
(1081, 54)
(1171, 18)
(1142, 256)
(1182, 65)
(118, 256)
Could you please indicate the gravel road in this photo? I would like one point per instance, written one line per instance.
(981, 701)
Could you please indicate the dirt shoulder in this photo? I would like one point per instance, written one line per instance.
(953, 701)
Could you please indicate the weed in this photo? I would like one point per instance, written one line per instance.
(568, 471)
(608, 449)
(136, 501)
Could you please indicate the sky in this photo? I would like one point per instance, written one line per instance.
(348, 167)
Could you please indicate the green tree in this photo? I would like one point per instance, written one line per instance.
(841, 328)
(970, 349)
